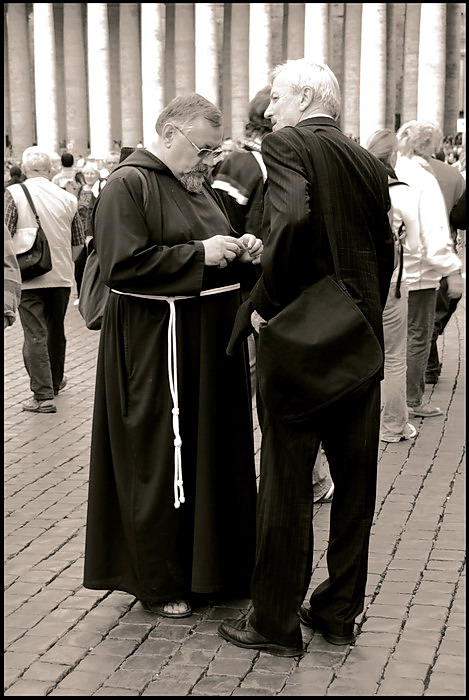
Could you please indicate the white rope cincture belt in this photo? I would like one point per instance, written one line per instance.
(173, 375)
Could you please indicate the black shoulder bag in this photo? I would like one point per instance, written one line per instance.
(35, 261)
(318, 349)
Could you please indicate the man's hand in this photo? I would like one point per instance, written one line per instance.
(257, 321)
(250, 249)
(455, 286)
(220, 250)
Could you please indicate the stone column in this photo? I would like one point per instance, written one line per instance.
(296, 30)
(411, 60)
(131, 72)
(317, 32)
(239, 67)
(153, 66)
(260, 47)
(206, 52)
(113, 15)
(350, 117)
(19, 76)
(99, 84)
(453, 58)
(432, 57)
(76, 99)
(45, 77)
(372, 69)
(184, 48)
(390, 116)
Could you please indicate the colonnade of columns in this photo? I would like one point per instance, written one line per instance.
(87, 75)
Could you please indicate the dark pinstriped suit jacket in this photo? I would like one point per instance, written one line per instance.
(296, 249)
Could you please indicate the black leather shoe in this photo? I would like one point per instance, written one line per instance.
(308, 619)
(240, 633)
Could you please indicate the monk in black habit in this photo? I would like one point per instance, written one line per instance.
(172, 487)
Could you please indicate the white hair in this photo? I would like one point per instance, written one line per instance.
(34, 158)
(419, 138)
(300, 73)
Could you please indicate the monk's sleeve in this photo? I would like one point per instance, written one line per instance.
(130, 255)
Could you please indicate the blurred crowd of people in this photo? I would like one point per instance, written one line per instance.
(201, 241)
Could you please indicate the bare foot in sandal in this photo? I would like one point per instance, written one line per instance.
(174, 608)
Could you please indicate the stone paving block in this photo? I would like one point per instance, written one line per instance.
(63, 654)
(446, 683)
(382, 624)
(401, 687)
(172, 688)
(146, 662)
(43, 671)
(80, 680)
(162, 647)
(397, 668)
(189, 674)
(84, 639)
(134, 680)
(229, 667)
(129, 631)
(115, 647)
(99, 663)
(107, 692)
(215, 685)
(28, 689)
(207, 642)
(231, 651)
(192, 657)
(175, 633)
(447, 664)
(251, 692)
(31, 643)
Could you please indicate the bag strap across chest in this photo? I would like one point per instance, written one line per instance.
(31, 203)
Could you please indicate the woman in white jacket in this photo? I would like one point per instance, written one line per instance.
(435, 257)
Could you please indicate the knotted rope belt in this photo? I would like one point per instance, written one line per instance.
(173, 374)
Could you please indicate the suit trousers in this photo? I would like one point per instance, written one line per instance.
(349, 432)
(42, 314)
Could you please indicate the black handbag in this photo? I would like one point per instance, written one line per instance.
(93, 293)
(317, 350)
(35, 261)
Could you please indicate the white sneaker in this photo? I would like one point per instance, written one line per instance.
(410, 432)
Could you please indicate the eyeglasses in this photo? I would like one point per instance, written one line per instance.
(202, 153)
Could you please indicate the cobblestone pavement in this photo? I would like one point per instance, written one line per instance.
(61, 639)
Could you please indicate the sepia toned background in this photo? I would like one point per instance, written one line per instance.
(92, 77)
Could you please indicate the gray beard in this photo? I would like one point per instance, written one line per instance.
(193, 181)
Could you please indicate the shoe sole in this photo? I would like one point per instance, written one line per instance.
(269, 647)
(338, 640)
(53, 409)
(425, 415)
(399, 439)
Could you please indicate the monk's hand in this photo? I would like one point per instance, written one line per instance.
(220, 250)
(250, 249)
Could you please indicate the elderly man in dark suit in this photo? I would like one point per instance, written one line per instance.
(305, 101)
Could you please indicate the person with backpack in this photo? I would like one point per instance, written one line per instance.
(403, 216)
(172, 490)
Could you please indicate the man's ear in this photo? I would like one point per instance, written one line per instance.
(168, 134)
(307, 95)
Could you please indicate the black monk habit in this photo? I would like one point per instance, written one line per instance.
(148, 233)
